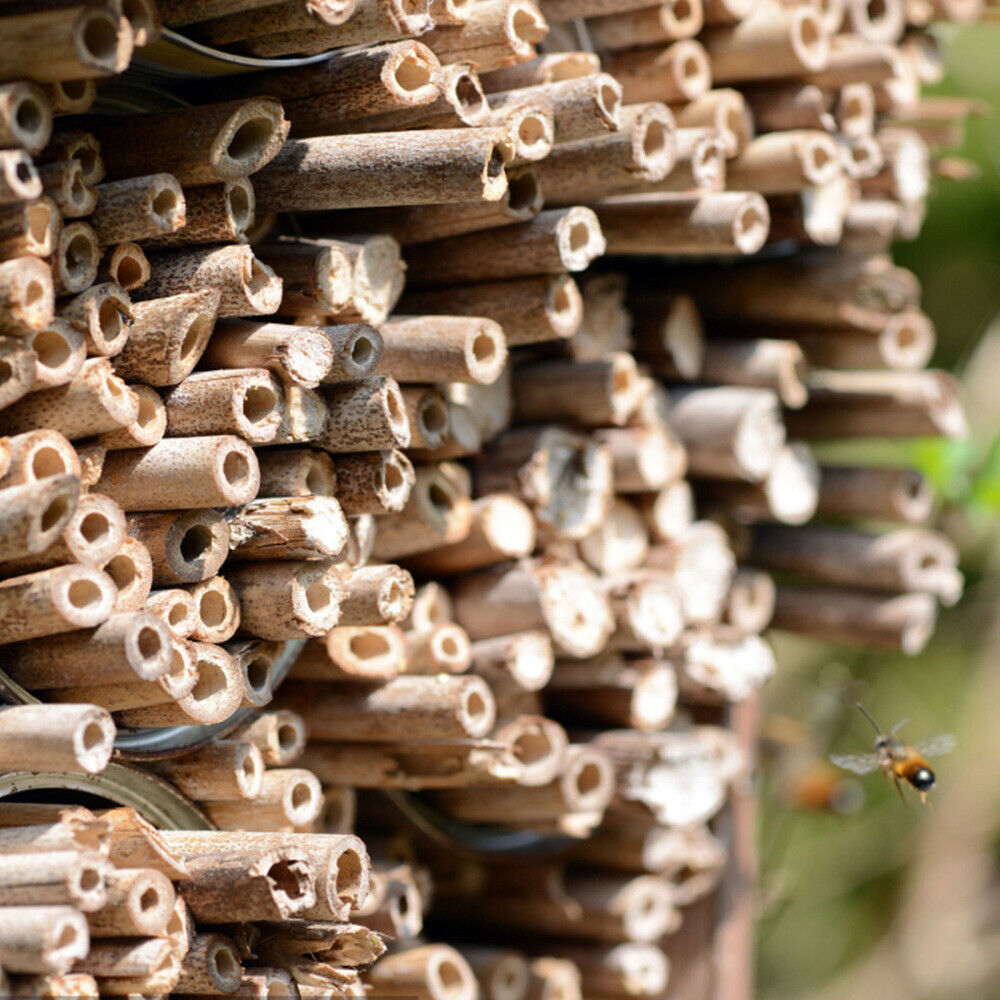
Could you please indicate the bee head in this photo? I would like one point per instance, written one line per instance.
(922, 779)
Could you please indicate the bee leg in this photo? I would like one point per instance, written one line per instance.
(899, 788)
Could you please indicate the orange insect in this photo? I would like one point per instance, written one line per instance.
(898, 760)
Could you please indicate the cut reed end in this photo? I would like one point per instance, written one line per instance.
(41, 227)
(576, 611)
(250, 138)
(690, 69)
(29, 116)
(394, 480)
(30, 297)
(197, 545)
(236, 471)
(907, 340)
(809, 39)
(131, 569)
(531, 134)
(218, 690)
(579, 238)
(222, 963)
(682, 18)
(316, 596)
(449, 976)
(301, 799)
(93, 739)
(537, 745)
(72, 97)
(412, 74)
(348, 873)
(477, 707)
(463, 91)
(654, 142)
(751, 222)
(563, 306)
(524, 28)
(508, 524)
(128, 266)
(84, 596)
(395, 595)
(55, 504)
(819, 157)
(99, 42)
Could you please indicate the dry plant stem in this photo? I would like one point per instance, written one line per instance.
(524, 657)
(784, 161)
(444, 649)
(34, 455)
(442, 348)
(29, 228)
(422, 971)
(375, 595)
(185, 547)
(300, 354)
(256, 662)
(364, 416)
(181, 473)
(666, 22)
(354, 653)
(242, 401)
(72, 96)
(287, 600)
(893, 494)
(549, 68)
(246, 286)
(42, 939)
(497, 34)
(177, 13)
(34, 515)
(750, 605)
(902, 623)
(317, 275)
(428, 413)
(218, 610)
(126, 266)
(530, 310)
(581, 108)
(551, 243)
(403, 708)
(200, 145)
(728, 223)
(392, 168)
(102, 313)
(131, 569)
(57, 600)
(27, 299)
(568, 10)
(289, 798)
(674, 74)
(140, 903)
(168, 336)
(213, 213)
(76, 259)
(297, 472)
(375, 482)
(125, 648)
(113, 961)
(138, 208)
(210, 967)
(289, 528)
(73, 738)
(49, 878)
(280, 736)
(304, 417)
(644, 458)
(19, 180)
(148, 427)
(63, 183)
(175, 608)
(25, 116)
(502, 528)
(228, 769)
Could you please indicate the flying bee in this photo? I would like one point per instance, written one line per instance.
(897, 760)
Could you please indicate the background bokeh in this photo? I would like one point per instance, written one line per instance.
(884, 899)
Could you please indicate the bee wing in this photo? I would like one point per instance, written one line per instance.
(859, 763)
(937, 746)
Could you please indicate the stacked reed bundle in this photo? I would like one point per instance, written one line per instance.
(236, 432)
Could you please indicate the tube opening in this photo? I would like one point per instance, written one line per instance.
(240, 208)
(259, 402)
(83, 594)
(100, 37)
(412, 73)
(94, 527)
(236, 468)
(195, 542)
(259, 674)
(318, 596)
(369, 645)
(362, 351)
(149, 900)
(148, 643)
(522, 192)
(211, 681)
(195, 336)
(249, 140)
(213, 608)
(48, 462)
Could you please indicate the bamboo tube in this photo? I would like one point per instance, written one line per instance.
(619, 543)
(287, 600)
(216, 694)
(496, 34)
(256, 662)
(551, 67)
(896, 622)
(298, 472)
(789, 493)
(175, 608)
(302, 355)
(34, 455)
(785, 161)
(59, 353)
(374, 595)
(29, 228)
(639, 694)
(71, 96)
(42, 939)
(63, 183)
(524, 657)
(63, 829)
(750, 604)
(102, 313)
(668, 513)
(53, 985)
(773, 42)
(200, 145)
(644, 458)
(365, 416)
(93, 402)
(213, 213)
(181, 473)
(210, 967)
(877, 22)
(317, 274)
(185, 547)
(674, 73)
(726, 112)
(25, 116)
(73, 738)
(402, 708)
(138, 208)
(887, 404)
(217, 610)
(124, 648)
(54, 601)
(140, 902)
(427, 413)
(26, 296)
(353, 653)
(666, 22)
(554, 977)
(778, 107)
(289, 798)
(304, 416)
(374, 482)
(431, 606)
(148, 962)
(33, 516)
(361, 540)
(594, 393)
(719, 223)
(413, 168)
(227, 769)
(177, 13)
(127, 266)
(168, 336)
(438, 511)
(700, 166)
(502, 974)
(131, 569)
(724, 666)
(530, 310)
(501, 528)
(444, 649)
(76, 257)
(643, 151)
(279, 735)
(289, 528)
(75, 144)
(400, 912)
(430, 972)
(148, 427)
(551, 243)
(242, 401)
(246, 285)
(861, 492)
(621, 971)
(371, 21)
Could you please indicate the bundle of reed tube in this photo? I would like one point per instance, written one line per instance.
(433, 418)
